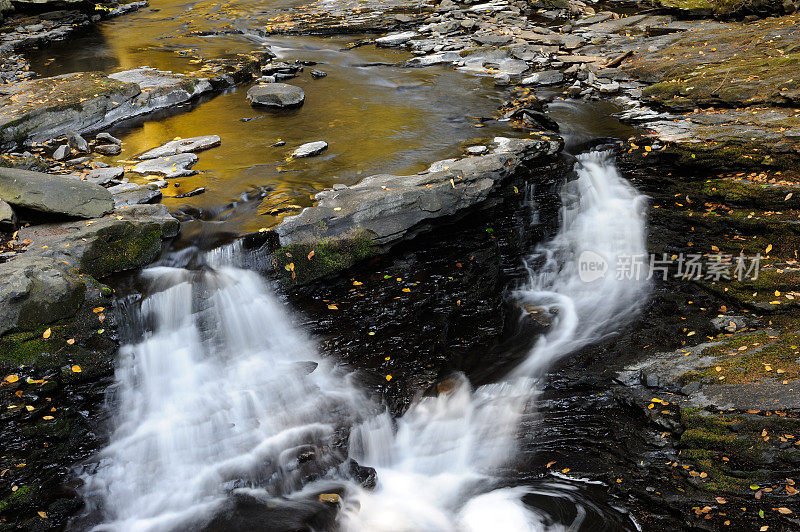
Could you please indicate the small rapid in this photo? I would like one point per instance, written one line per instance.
(223, 395)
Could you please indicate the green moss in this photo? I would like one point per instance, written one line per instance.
(56, 429)
(18, 499)
(720, 477)
(762, 358)
(304, 262)
(22, 349)
(712, 432)
(742, 192)
(122, 247)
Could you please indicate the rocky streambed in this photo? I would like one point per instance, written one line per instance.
(403, 273)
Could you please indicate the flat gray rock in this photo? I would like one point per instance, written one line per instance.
(53, 194)
(395, 39)
(172, 166)
(278, 95)
(137, 195)
(546, 77)
(310, 149)
(102, 176)
(173, 147)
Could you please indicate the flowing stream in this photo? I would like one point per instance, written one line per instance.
(221, 397)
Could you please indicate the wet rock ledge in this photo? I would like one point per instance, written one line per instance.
(37, 110)
(348, 224)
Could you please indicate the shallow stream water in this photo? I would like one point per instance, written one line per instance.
(375, 116)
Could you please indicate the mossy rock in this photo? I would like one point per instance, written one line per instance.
(123, 246)
(735, 66)
(752, 358)
(304, 262)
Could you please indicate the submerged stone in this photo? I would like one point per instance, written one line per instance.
(278, 95)
(310, 149)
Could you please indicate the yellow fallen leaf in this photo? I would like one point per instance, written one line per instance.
(98, 310)
(43, 515)
(406, 290)
(48, 418)
(71, 341)
(12, 378)
(388, 377)
(333, 307)
(76, 369)
(357, 283)
(310, 254)
(565, 470)
(769, 248)
(784, 510)
(47, 333)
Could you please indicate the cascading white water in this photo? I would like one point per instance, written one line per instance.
(220, 394)
(436, 471)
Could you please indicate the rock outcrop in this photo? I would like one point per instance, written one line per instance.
(43, 282)
(383, 209)
(54, 194)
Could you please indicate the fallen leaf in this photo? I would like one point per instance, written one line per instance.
(769, 248)
(76, 369)
(47, 333)
(12, 378)
(784, 510)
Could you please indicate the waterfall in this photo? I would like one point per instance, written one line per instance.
(437, 470)
(223, 394)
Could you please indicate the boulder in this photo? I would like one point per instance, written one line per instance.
(174, 147)
(102, 176)
(62, 152)
(54, 194)
(310, 149)
(108, 149)
(41, 109)
(77, 143)
(45, 283)
(279, 95)
(128, 238)
(107, 138)
(37, 290)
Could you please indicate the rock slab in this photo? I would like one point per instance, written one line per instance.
(54, 194)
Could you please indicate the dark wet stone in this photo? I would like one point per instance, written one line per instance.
(279, 95)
